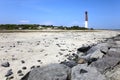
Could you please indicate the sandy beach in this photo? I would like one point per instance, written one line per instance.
(25, 50)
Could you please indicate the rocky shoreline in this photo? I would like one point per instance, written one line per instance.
(56, 53)
(96, 62)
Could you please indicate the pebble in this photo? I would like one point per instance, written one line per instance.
(19, 71)
(22, 61)
(24, 68)
(6, 64)
(9, 72)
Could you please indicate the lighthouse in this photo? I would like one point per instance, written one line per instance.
(86, 19)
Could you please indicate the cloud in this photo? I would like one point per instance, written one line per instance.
(24, 21)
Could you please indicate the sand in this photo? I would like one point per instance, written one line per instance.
(48, 47)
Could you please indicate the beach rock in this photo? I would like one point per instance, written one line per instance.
(105, 63)
(114, 53)
(5, 64)
(50, 72)
(9, 73)
(83, 49)
(97, 54)
(81, 61)
(22, 61)
(69, 63)
(19, 71)
(21, 74)
(98, 46)
(104, 49)
(83, 72)
(38, 60)
(113, 75)
(24, 68)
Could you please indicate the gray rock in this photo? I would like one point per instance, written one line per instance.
(104, 49)
(97, 54)
(69, 63)
(105, 63)
(5, 64)
(98, 46)
(113, 75)
(9, 73)
(83, 72)
(50, 72)
(114, 53)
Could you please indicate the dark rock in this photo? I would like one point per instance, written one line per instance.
(9, 72)
(24, 68)
(21, 74)
(22, 61)
(83, 71)
(83, 49)
(50, 72)
(38, 60)
(37, 66)
(11, 77)
(19, 71)
(91, 60)
(32, 67)
(5, 64)
(69, 63)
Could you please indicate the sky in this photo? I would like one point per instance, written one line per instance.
(102, 14)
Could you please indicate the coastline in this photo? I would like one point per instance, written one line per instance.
(49, 47)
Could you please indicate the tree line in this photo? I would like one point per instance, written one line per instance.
(37, 26)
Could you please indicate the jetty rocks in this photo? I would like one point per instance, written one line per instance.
(96, 62)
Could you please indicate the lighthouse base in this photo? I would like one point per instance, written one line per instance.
(86, 24)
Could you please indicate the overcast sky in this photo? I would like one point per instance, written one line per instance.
(102, 13)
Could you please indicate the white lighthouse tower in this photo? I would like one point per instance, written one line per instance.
(86, 19)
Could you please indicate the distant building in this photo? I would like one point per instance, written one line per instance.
(86, 19)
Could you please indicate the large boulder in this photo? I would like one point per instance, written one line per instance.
(50, 72)
(113, 75)
(83, 49)
(113, 52)
(83, 72)
(105, 63)
(102, 47)
(97, 54)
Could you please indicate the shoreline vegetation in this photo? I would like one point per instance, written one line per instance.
(39, 27)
